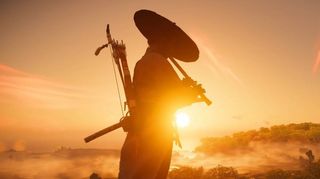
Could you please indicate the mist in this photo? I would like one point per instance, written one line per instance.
(67, 163)
(61, 164)
(262, 157)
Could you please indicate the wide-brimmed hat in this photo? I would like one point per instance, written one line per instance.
(154, 26)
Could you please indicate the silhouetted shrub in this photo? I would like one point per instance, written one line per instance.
(221, 172)
(186, 173)
(277, 174)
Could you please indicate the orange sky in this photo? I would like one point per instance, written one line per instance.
(259, 62)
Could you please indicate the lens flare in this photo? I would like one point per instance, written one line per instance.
(316, 63)
(182, 119)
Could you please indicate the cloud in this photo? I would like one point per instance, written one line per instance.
(24, 88)
(6, 70)
(316, 63)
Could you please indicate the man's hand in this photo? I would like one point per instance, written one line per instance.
(193, 90)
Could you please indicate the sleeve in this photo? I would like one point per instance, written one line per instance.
(175, 94)
(158, 85)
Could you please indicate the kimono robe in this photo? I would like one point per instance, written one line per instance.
(159, 92)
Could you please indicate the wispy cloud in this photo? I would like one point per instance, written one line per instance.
(22, 87)
(316, 63)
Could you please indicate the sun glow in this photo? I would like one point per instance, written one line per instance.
(182, 119)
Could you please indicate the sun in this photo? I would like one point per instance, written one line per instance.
(182, 119)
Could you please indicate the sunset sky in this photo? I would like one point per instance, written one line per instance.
(259, 63)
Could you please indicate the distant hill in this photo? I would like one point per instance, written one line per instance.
(242, 142)
(62, 163)
(74, 153)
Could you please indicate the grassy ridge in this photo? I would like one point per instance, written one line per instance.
(304, 133)
(310, 170)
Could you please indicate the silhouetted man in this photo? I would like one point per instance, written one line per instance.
(159, 92)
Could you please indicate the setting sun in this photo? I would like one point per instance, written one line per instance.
(182, 119)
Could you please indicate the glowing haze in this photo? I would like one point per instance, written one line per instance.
(259, 62)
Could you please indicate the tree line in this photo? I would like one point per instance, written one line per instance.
(240, 141)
